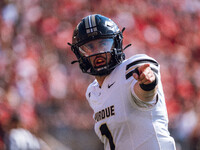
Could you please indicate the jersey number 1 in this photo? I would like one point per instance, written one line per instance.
(105, 131)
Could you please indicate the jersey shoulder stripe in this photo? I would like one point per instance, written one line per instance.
(140, 59)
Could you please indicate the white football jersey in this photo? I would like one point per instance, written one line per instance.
(123, 121)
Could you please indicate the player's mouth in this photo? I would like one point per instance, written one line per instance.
(99, 61)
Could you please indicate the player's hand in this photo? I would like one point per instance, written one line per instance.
(146, 75)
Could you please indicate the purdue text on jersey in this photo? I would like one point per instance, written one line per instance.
(105, 113)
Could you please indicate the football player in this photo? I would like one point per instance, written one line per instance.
(126, 96)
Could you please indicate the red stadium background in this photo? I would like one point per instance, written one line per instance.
(38, 82)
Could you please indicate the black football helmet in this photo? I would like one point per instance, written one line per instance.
(95, 27)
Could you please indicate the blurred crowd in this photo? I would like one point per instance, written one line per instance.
(38, 82)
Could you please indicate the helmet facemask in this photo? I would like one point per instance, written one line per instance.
(99, 55)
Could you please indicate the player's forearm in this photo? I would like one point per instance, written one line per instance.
(145, 95)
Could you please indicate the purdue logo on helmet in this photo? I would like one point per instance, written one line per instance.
(95, 27)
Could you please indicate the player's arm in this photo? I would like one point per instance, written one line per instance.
(146, 85)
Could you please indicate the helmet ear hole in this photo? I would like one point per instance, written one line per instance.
(123, 56)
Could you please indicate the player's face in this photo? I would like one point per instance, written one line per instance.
(99, 51)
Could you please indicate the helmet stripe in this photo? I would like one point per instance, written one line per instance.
(90, 24)
(86, 23)
(93, 21)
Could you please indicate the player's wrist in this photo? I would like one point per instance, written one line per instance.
(151, 86)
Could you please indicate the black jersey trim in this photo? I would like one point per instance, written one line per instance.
(141, 61)
(128, 75)
(154, 70)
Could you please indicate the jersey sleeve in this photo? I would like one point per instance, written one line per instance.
(132, 64)
(89, 92)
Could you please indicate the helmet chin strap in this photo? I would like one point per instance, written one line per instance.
(75, 61)
(123, 29)
(127, 46)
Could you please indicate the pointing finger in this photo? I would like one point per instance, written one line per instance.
(143, 67)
